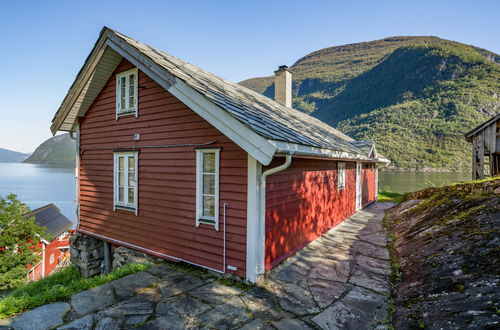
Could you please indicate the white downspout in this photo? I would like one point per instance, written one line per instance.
(262, 211)
(43, 260)
(77, 173)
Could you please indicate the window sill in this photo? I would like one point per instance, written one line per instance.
(206, 221)
(126, 113)
(125, 208)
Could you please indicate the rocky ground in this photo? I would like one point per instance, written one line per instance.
(341, 280)
(447, 243)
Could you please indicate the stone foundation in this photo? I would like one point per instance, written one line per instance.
(123, 256)
(87, 253)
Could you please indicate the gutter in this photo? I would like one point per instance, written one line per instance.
(262, 211)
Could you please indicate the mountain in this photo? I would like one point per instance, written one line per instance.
(415, 96)
(9, 156)
(58, 150)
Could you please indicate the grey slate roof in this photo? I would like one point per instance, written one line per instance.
(51, 218)
(261, 114)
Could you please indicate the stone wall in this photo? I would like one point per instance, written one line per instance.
(87, 253)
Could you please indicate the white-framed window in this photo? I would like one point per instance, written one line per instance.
(125, 180)
(341, 175)
(126, 93)
(51, 259)
(207, 187)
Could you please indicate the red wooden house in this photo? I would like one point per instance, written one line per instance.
(179, 163)
(56, 249)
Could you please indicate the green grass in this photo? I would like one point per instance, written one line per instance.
(58, 287)
(390, 197)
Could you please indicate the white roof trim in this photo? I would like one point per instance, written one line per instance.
(302, 150)
(240, 134)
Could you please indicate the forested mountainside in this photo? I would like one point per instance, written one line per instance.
(415, 96)
(58, 150)
(9, 156)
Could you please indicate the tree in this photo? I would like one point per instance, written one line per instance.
(19, 236)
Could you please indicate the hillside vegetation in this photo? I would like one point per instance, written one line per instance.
(415, 96)
(58, 150)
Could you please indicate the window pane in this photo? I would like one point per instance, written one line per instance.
(209, 162)
(208, 206)
(123, 85)
(131, 91)
(121, 162)
(209, 184)
(121, 179)
(120, 194)
(131, 195)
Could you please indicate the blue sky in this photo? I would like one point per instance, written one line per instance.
(44, 43)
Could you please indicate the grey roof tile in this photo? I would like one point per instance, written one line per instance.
(261, 114)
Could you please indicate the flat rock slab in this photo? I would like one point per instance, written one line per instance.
(366, 279)
(163, 271)
(215, 292)
(295, 299)
(108, 323)
(129, 285)
(261, 303)
(165, 322)
(93, 299)
(332, 270)
(373, 265)
(180, 284)
(359, 309)
(326, 292)
(182, 304)
(142, 304)
(84, 323)
(371, 250)
(226, 316)
(289, 323)
(44, 317)
(256, 324)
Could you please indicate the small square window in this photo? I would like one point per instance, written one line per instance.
(126, 93)
(341, 175)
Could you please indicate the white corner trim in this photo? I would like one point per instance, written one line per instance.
(254, 169)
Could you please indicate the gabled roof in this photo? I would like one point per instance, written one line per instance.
(258, 124)
(480, 127)
(51, 218)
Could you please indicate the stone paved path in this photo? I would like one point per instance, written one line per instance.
(340, 281)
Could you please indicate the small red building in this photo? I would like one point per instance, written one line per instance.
(55, 250)
(179, 163)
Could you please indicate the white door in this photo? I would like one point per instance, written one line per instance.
(358, 186)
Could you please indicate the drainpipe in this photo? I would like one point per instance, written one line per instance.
(77, 172)
(262, 215)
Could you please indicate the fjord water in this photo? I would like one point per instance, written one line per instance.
(402, 182)
(39, 185)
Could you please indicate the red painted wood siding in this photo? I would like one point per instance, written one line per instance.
(302, 203)
(167, 178)
(368, 183)
(53, 248)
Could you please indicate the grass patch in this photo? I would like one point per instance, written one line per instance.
(58, 287)
(390, 197)
(237, 284)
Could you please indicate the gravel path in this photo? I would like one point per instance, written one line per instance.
(338, 281)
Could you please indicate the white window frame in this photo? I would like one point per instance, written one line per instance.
(51, 259)
(129, 109)
(341, 175)
(126, 205)
(200, 218)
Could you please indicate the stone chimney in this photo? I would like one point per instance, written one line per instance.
(283, 86)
